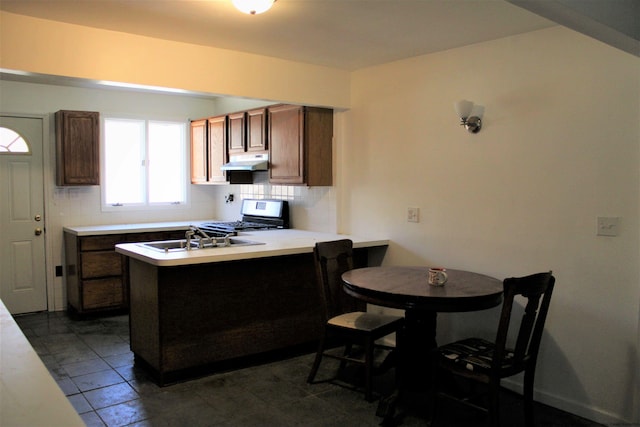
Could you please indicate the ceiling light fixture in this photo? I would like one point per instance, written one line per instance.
(253, 7)
(472, 123)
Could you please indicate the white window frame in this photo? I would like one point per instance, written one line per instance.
(146, 205)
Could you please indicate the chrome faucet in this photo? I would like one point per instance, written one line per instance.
(188, 235)
(196, 230)
(192, 232)
(204, 240)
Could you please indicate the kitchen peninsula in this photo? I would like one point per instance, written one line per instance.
(192, 309)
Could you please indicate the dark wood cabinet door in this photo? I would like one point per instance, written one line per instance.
(208, 150)
(77, 148)
(286, 144)
(300, 145)
(257, 130)
(217, 149)
(100, 264)
(237, 139)
(318, 140)
(199, 151)
(103, 293)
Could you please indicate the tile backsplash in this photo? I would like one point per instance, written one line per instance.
(310, 208)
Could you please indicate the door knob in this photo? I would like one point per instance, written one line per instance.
(38, 218)
(38, 231)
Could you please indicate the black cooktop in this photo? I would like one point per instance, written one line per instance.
(257, 214)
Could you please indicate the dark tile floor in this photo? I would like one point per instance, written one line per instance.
(92, 363)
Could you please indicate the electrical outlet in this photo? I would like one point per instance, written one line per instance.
(413, 214)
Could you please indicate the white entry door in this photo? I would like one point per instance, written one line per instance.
(23, 287)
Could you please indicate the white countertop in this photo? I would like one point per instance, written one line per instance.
(29, 396)
(94, 230)
(276, 243)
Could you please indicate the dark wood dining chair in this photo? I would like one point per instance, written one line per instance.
(341, 322)
(481, 361)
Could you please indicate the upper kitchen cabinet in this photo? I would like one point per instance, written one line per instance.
(217, 150)
(208, 150)
(247, 131)
(237, 140)
(257, 130)
(199, 151)
(300, 145)
(77, 148)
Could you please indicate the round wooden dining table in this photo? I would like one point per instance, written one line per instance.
(407, 288)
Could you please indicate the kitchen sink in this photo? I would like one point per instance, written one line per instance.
(195, 244)
(167, 245)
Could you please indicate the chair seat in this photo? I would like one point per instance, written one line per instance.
(362, 321)
(473, 354)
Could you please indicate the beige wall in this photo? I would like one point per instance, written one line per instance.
(559, 147)
(59, 49)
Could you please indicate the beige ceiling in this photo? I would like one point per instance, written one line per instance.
(345, 34)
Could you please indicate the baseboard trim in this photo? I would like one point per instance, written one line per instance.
(571, 406)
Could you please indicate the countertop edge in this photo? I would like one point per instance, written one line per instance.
(276, 243)
(30, 395)
(98, 230)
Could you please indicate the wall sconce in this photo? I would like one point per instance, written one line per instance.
(253, 7)
(472, 123)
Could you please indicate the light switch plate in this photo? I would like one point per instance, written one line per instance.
(608, 225)
(413, 214)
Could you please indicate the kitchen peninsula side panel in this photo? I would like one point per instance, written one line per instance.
(188, 318)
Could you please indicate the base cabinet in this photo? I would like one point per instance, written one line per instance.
(97, 276)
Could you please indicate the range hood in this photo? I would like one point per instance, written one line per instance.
(247, 163)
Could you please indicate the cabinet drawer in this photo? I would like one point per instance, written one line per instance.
(96, 243)
(102, 293)
(100, 264)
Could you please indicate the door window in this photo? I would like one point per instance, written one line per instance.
(12, 142)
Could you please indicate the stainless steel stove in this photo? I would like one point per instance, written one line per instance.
(257, 214)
